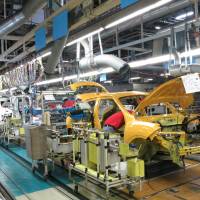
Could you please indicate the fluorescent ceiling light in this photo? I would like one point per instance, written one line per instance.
(3, 91)
(56, 80)
(109, 81)
(6, 90)
(183, 16)
(68, 78)
(193, 52)
(146, 80)
(75, 76)
(135, 78)
(162, 59)
(138, 13)
(157, 27)
(150, 61)
(84, 37)
(14, 88)
(45, 55)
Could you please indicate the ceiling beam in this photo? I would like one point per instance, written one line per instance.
(135, 49)
(12, 38)
(100, 24)
(96, 12)
(68, 6)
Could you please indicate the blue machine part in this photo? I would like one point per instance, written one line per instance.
(125, 3)
(74, 114)
(40, 39)
(60, 25)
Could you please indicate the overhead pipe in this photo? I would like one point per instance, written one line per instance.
(107, 60)
(103, 61)
(86, 47)
(183, 69)
(147, 17)
(56, 53)
(91, 61)
(19, 19)
(152, 15)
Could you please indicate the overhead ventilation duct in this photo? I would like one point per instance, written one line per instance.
(158, 47)
(91, 61)
(179, 70)
(56, 52)
(177, 57)
(103, 61)
(19, 19)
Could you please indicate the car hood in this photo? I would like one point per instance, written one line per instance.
(172, 91)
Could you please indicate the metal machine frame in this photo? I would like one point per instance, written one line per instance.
(83, 133)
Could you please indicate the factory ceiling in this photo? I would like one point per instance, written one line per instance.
(18, 45)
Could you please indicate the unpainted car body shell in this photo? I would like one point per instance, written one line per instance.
(144, 127)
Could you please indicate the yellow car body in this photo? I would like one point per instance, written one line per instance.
(133, 128)
(172, 91)
(141, 127)
(139, 124)
(76, 86)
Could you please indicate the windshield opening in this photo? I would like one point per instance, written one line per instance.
(131, 102)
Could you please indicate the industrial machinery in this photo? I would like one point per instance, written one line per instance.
(36, 145)
(153, 127)
(104, 157)
(54, 106)
(15, 114)
(98, 155)
(164, 135)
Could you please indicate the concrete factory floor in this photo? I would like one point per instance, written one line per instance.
(179, 185)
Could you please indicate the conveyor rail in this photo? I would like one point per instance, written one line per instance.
(19, 180)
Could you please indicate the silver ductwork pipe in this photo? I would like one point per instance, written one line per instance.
(91, 61)
(56, 53)
(176, 55)
(179, 70)
(86, 47)
(102, 61)
(19, 19)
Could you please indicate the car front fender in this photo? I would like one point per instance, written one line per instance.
(140, 130)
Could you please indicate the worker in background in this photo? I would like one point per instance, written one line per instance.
(69, 124)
